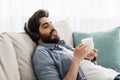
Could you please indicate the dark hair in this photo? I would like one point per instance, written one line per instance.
(32, 26)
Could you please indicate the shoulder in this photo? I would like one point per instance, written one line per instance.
(41, 56)
(41, 53)
(40, 50)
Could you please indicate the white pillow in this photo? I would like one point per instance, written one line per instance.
(97, 72)
(64, 31)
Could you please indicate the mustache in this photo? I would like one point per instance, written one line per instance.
(52, 31)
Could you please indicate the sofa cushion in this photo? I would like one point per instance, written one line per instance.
(64, 31)
(8, 62)
(108, 44)
(24, 48)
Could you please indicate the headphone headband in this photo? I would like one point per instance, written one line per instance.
(34, 36)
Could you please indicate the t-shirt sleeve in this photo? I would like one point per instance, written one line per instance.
(44, 66)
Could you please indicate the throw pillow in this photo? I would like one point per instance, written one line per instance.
(108, 44)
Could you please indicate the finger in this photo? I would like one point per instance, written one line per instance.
(92, 52)
(80, 45)
(95, 54)
(95, 50)
(84, 47)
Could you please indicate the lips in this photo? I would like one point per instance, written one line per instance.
(53, 32)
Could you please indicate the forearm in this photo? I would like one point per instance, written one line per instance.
(73, 70)
(79, 54)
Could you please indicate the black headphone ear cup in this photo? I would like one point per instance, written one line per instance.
(35, 36)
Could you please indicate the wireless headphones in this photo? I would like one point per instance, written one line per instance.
(34, 36)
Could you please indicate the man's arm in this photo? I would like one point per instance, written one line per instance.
(79, 54)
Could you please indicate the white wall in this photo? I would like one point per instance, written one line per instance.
(82, 15)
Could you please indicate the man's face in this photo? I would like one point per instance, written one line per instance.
(47, 32)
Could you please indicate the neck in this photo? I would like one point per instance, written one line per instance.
(41, 42)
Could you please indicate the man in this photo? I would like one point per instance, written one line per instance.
(53, 59)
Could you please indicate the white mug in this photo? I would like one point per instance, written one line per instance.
(89, 43)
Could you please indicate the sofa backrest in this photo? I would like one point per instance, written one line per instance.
(8, 63)
(16, 51)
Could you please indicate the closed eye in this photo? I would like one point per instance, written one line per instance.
(45, 25)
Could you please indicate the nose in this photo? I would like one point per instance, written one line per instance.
(52, 26)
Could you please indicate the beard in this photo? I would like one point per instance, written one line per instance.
(48, 38)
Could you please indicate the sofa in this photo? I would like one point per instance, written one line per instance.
(16, 50)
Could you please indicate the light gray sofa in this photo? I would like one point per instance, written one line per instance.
(16, 50)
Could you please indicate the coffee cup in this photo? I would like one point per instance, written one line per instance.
(89, 43)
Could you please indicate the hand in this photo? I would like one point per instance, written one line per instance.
(80, 52)
(93, 54)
